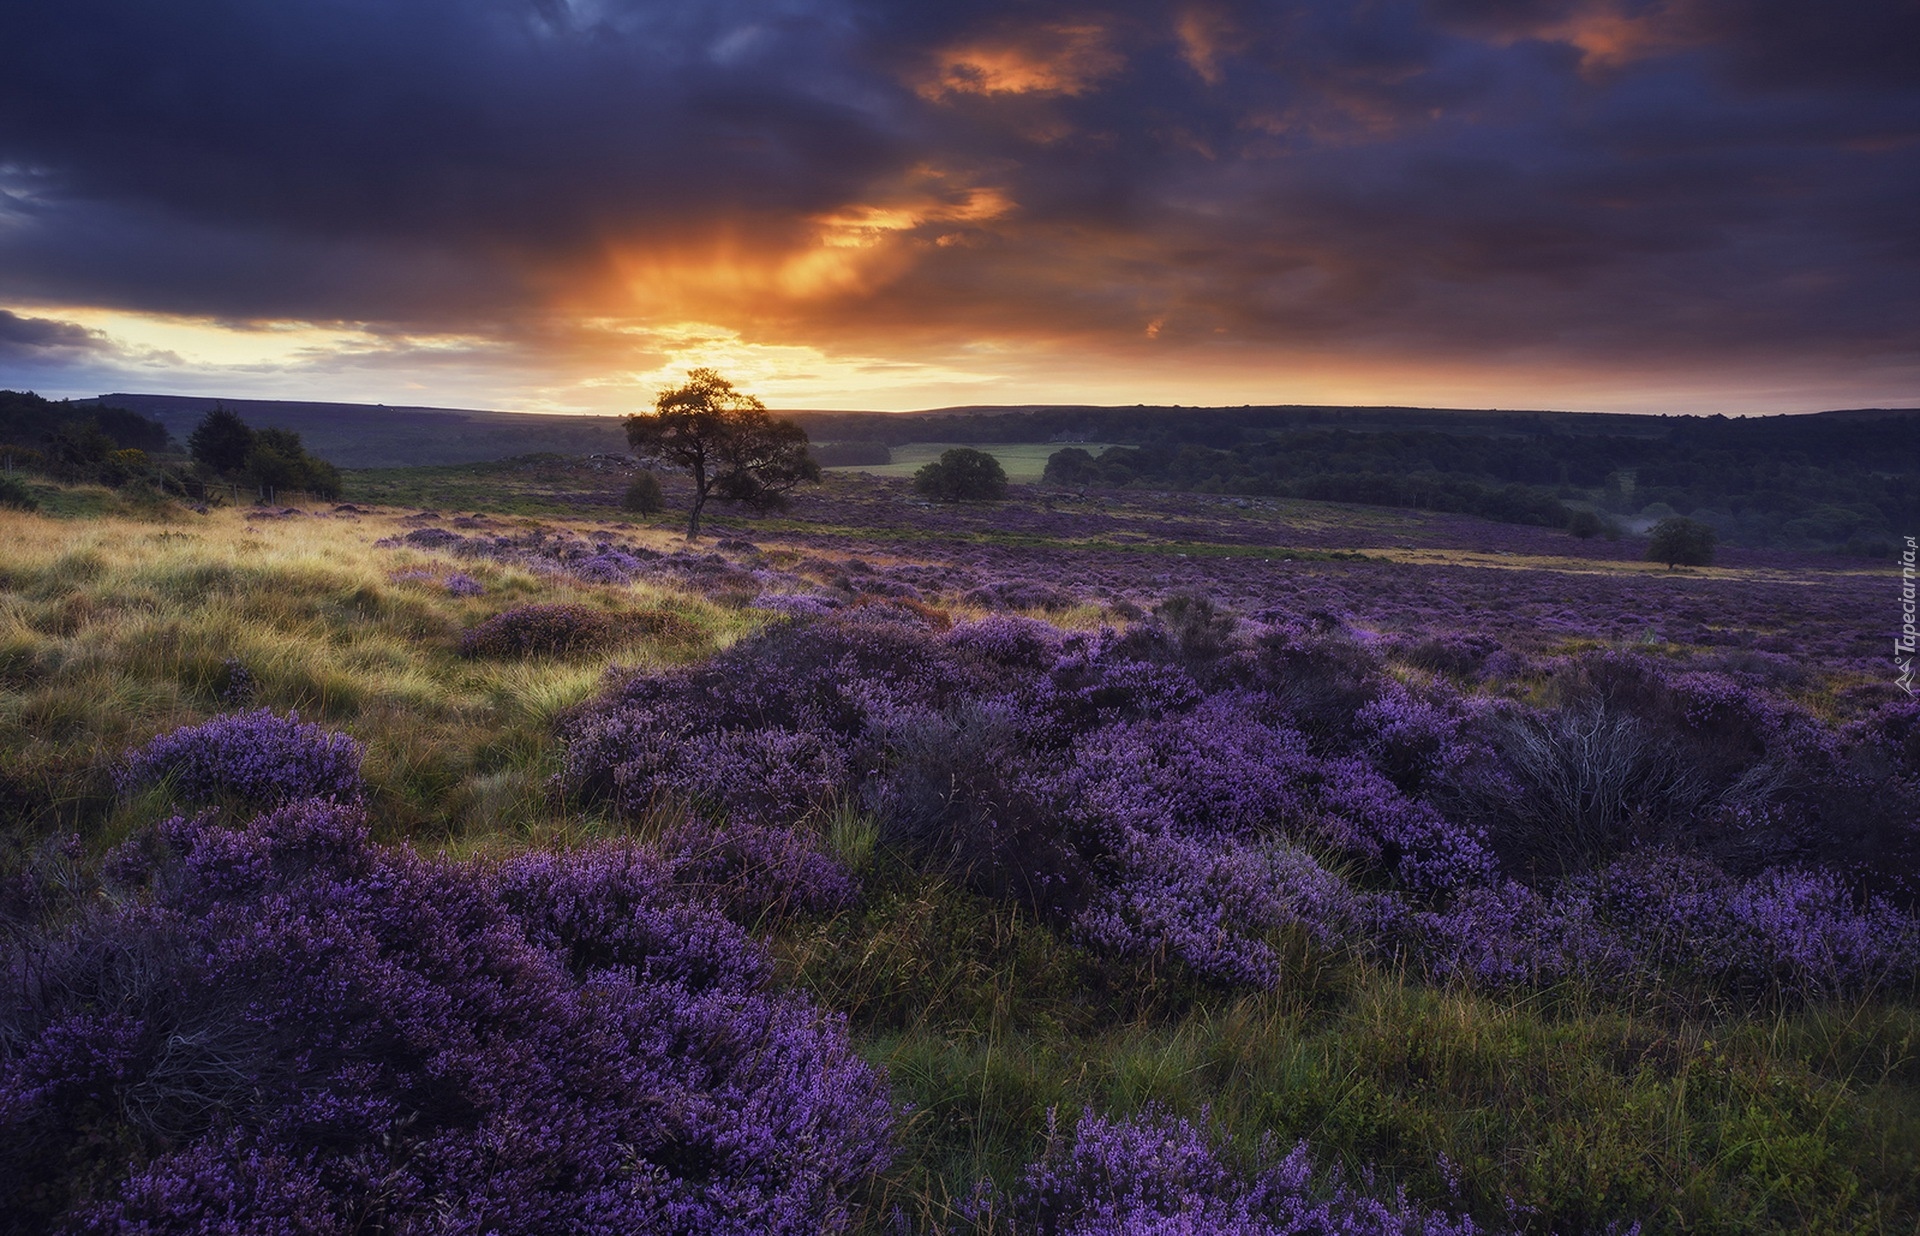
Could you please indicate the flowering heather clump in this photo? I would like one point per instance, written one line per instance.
(1158, 1175)
(287, 1028)
(1668, 919)
(1410, 737)
(805, 688)
(539, 630)
(1314, 671)
(615, 907)
(795, 604)
(257, 757)
(959, 794)
(431, 538)
(238, 686)
(1096, 681)
(1221, 770)
(1019, 594)
(1171, 791)
(1215, 903)
(607, 565)
(603, 559)
(1452, 653)
(773, 774)
(756, 873)
(1009, 640)
(460, 584)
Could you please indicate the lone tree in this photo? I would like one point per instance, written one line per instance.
(962, 474)
(725, 441)
(1679, 541)
(221, 441)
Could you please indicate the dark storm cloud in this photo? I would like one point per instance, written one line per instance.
(37, 339)
(1589, 176)
(494, 119)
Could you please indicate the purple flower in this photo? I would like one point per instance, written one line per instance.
(257, 757)
(287, 1028)
(1158, 1174)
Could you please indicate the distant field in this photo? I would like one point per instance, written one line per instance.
(1024, 461)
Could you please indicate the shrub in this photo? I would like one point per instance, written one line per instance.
(777, 775)
(644, 496)
(1019, 594)
(15, 495)
(1319, 676)
(1007, 640)
(1678, 541)
(286, 1028)
(540, 630)
(1663, 921)
(1219, 905)
(221, 441)
(1097, 681)
(236, 684)
(962, 474)
(257, 757)
(756, 873)
(957, 796)
(1581, 783)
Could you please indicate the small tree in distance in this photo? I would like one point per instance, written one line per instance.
(1679, 541)
(221, 441)
(644, 496)
(962, 474)
(725, 441)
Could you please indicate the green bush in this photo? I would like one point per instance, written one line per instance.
(644, 496)
(1585, 524)
(16, 495)
(962, 475)
(1679, 541)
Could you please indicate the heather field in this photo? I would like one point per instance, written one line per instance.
(472, 856)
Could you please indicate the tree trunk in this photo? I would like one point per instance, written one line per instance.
(693, 519)
(701, 487)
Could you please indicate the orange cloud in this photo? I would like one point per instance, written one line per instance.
(1205, 36)
(776, 270)
(1061, 59)
(1608, 36)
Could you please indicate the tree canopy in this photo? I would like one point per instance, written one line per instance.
(221, 441)
(726, 441)
(272, 459)
(962, 474)
(1680, 541)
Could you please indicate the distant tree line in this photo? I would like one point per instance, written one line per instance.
(1802, 481)
(852, 454)
(87, 444)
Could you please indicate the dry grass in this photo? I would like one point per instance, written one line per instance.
(114, 629)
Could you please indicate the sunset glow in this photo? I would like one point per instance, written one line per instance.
(1700, 205)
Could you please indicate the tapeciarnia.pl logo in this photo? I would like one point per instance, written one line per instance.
(1903, 644)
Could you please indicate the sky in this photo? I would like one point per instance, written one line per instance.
(563, 205)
